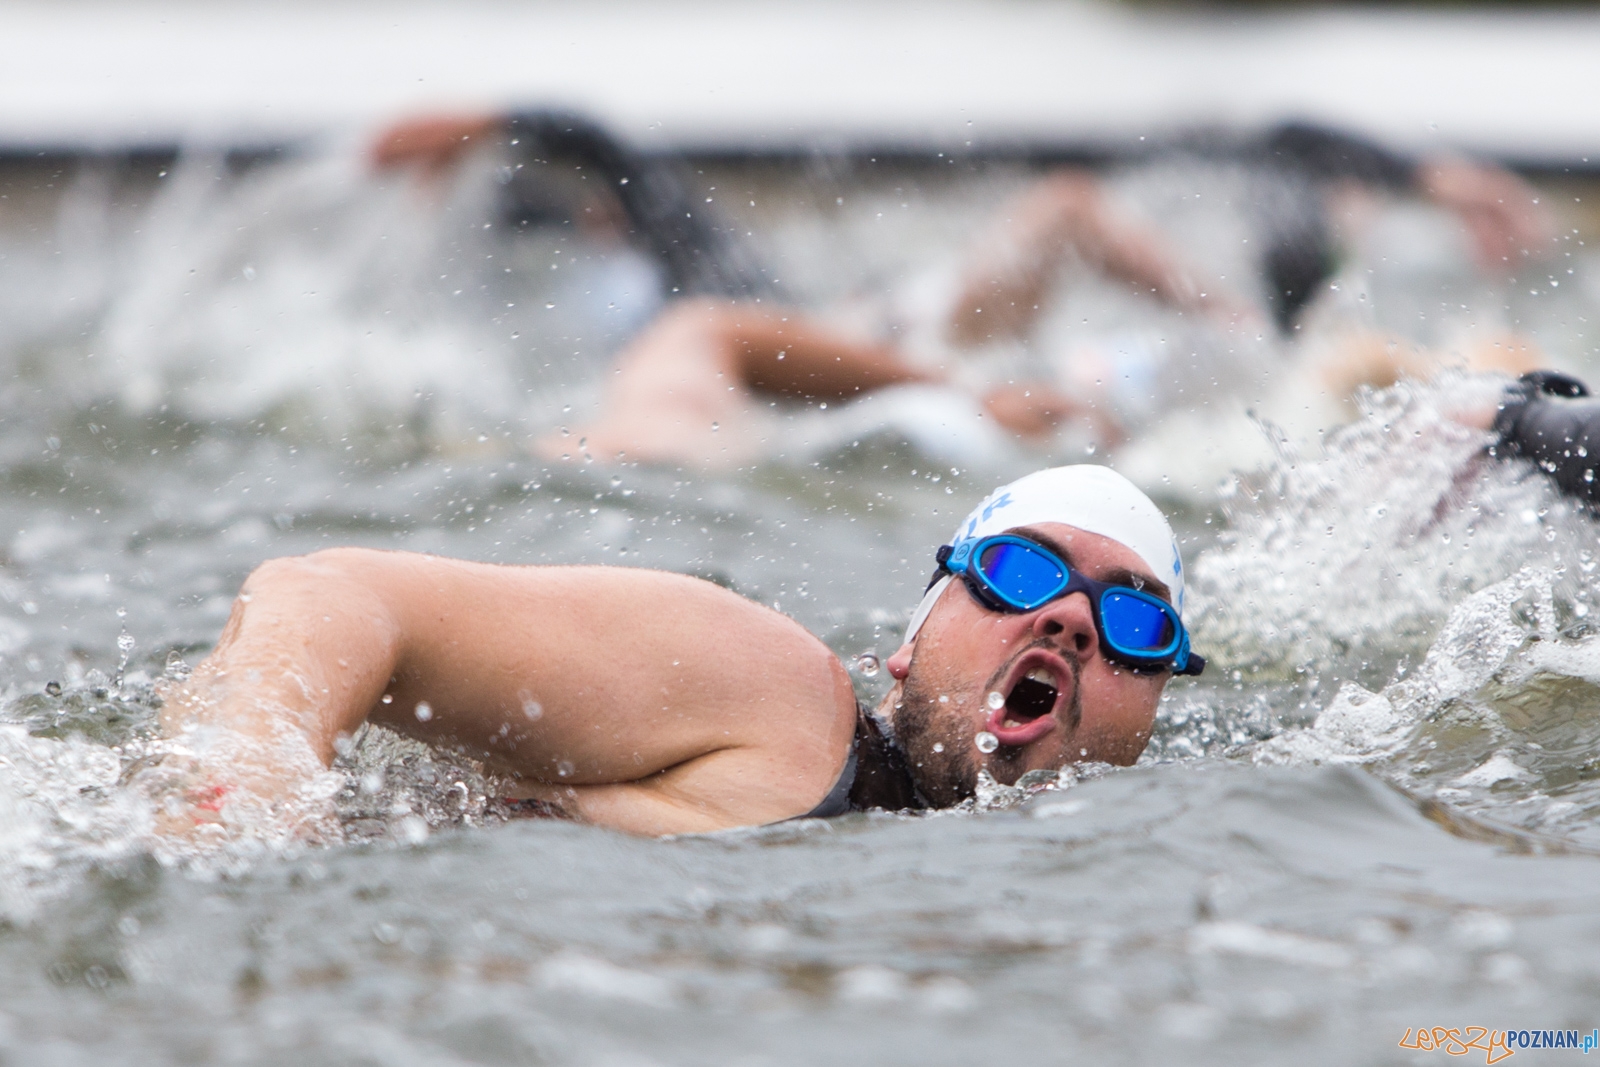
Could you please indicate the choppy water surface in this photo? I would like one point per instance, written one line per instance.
(1378, 810)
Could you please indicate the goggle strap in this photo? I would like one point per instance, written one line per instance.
(924, 609)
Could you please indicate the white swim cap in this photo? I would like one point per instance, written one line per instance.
(1095, 499)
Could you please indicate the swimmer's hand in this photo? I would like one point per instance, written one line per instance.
(237, 758)
(1034, 411)
(207, 797)
(1501, 212)
(432, 142)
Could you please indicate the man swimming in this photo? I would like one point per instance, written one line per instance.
(657, 703)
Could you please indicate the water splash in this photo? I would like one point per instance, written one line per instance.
(1358, 552)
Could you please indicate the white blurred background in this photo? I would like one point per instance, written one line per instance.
(1516, 82)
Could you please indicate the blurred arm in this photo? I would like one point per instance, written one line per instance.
(693, 372)
(1501, 212)
(1005, 288)
(432, 142)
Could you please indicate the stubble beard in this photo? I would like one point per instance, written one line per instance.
(938, 747)
(947, 775)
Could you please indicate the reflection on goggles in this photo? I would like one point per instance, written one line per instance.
(1011, 573)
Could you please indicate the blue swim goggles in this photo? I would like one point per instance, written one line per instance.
(1013, 574)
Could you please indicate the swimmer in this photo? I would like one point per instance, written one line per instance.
(698, 385)
(574, 173)
(1300, 178)
(657, 703)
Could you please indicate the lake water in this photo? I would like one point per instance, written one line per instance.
(1378, 810)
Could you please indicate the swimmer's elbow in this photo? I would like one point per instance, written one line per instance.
(347, 589)
(330, 576)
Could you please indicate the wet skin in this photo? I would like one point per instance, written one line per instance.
(1099, 711)
(642, 700)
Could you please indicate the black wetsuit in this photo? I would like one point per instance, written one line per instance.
(700, 253)
(1302, 160)
(693, 244)
(1551, 419)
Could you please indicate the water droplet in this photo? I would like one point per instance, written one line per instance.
(867, 664)
(938, 746)
(986, 742)
(424, 711)
(177, 668)
(533, 710)
(997, 700)
(413, 830)
(53, 688)
(565, 768)
(388, 698)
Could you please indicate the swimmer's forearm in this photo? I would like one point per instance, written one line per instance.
(311, 644)
(784, 351)
(1004, 292)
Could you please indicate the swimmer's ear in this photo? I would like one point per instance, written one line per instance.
(900, 663)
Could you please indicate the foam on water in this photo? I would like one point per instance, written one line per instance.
(1357, 549)
(1402, 602)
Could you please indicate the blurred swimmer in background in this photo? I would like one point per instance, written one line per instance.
(955, 361)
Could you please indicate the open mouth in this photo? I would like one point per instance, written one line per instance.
(1026, 714)
(1034, 695)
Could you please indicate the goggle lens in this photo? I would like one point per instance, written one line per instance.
(1135, 624)
(1025, 576)
(1021, 575)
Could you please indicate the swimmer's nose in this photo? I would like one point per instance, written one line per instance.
(1070, 623)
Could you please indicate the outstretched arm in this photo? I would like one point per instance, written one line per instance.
(1501, 212)
(682, 389)
(638, 699)
(1005, 288)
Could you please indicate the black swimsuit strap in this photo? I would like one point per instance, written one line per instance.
(837, 802)
(883, 778)
(875, 775)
